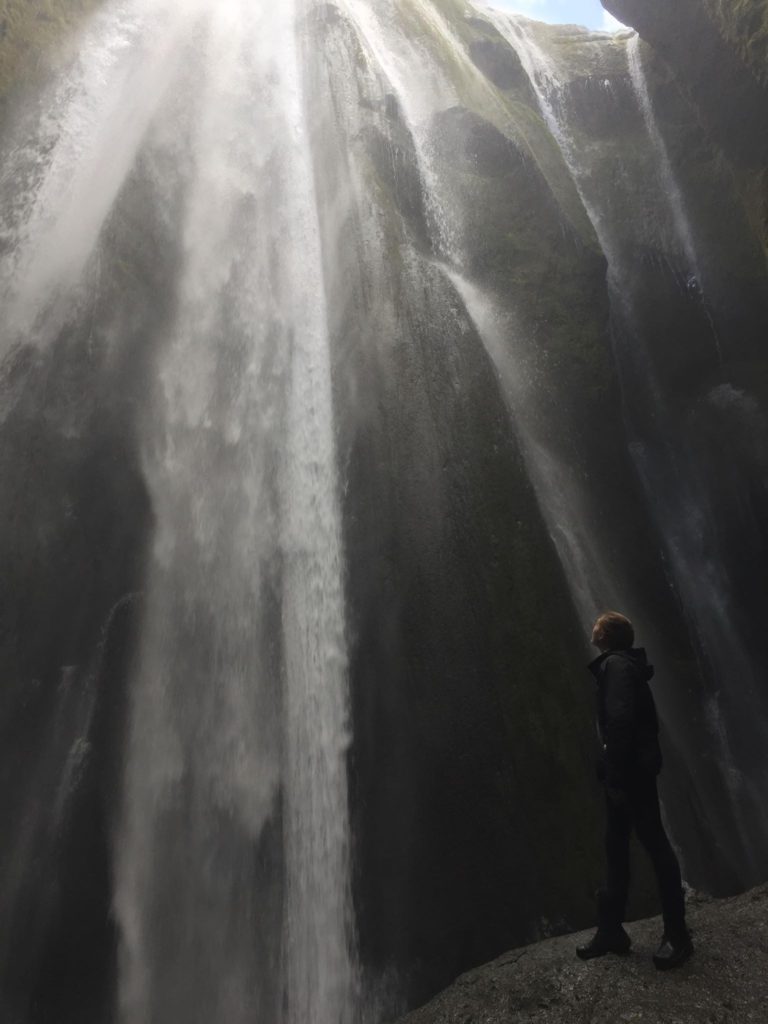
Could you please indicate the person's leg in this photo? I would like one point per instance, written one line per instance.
(650, 831)
(618, 829)
(612, 899)
(676, 946)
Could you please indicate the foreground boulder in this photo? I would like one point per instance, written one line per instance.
(725, 983)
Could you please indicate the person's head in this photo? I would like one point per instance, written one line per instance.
(613, 632)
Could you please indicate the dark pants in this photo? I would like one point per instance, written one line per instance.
(641, 812)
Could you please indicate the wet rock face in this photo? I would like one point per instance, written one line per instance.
(480, 148)
(76, 522)
(693, 38)
(602, 104)
(442, 531)
(744, 24)
(686, 42)
(499, 63)
(440, 806)
(731, 104)
(392, 154)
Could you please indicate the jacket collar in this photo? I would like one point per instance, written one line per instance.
(635, 654)
(594, 666)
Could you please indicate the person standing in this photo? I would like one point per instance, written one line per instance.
(630, 762)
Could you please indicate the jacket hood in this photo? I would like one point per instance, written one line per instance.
(636, 655)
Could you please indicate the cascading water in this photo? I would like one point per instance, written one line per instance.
(232, 877)
(104, 105)
(221, 753)
(559, 492)
(672, 191)
(423, 89)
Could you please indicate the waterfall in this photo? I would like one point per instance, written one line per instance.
(557, 488)
(232, 873)
(361, 314)
(544, 76)
(62, 178)
(423, 89)
(239, 733)
(672, 189)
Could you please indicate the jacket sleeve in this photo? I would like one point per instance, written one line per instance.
(620, 719)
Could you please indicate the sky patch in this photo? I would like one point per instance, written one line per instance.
(589, 13)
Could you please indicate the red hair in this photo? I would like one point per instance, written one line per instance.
(614, 632)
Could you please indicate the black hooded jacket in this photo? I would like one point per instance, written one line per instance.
(626, 717)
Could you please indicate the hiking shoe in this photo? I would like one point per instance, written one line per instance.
(603, 942)
(673, 952)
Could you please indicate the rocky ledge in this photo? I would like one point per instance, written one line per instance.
(726, 982)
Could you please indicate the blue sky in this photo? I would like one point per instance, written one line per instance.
(577, 12)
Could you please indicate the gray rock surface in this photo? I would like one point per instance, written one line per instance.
(726, 982)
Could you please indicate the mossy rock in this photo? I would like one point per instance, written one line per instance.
(499, 62)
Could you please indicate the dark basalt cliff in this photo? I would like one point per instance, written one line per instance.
(718, 50)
